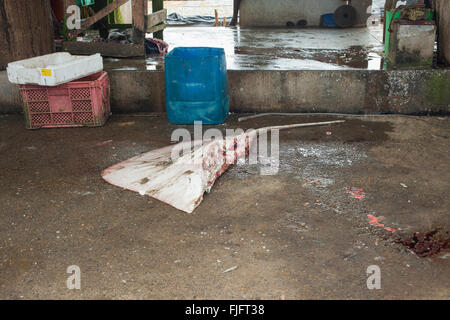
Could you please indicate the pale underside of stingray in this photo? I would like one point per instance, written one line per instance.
(181, 181)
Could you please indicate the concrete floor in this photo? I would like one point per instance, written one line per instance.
(274, 48)
(294, 235)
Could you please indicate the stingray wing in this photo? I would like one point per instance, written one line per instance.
(178, 181)
(153, 173)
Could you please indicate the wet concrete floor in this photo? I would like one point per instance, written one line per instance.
(306, 232)
(274, 48)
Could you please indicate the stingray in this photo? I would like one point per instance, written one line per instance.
(182, 180)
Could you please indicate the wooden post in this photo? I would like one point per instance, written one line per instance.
(158, 5)
(140, 11)
(443, 18)
(26, 30)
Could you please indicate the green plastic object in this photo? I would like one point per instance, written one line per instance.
(115, 17)
(83, 3)
(389, 17)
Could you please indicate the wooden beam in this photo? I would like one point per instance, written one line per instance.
(99, 15)
(156, 18)
(120, 26)
(156, 28)
(116, 50)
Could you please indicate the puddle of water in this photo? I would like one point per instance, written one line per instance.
(337, 154)
(318, 182)
(305, 160)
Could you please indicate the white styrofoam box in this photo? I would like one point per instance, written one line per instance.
(53, 69)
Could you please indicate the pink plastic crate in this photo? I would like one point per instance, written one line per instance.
(80, 103)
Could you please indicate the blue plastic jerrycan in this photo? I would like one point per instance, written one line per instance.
(196, 85)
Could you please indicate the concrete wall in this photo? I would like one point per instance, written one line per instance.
(412, 45)
(278, 13)
(443, 13)
(348, 91)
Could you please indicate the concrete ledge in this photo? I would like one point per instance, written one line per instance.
(347, 91)
(10, 101)
(137, 91)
